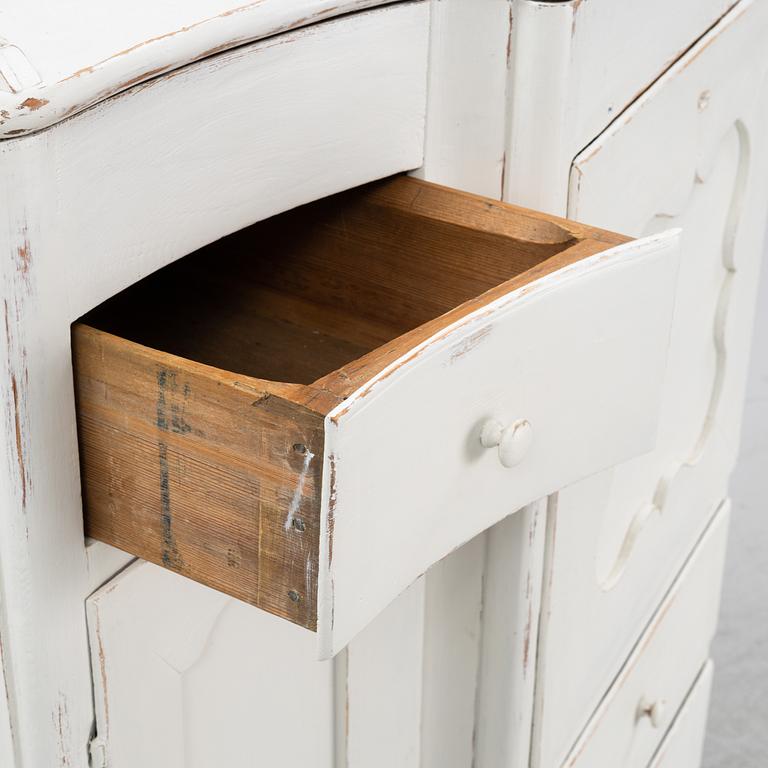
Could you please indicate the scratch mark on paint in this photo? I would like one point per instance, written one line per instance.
(24, 258)
(532, 529)
(103, 671)
(468, 344)
(297, 494)
(332, 500)
(133, 81)
(308, 591)
(93, 67)
(63, 730)
(19, 443)
(503, 173)
(189, 27)
(527, 632)
(32, 104)
(18, 407)
(6, 684)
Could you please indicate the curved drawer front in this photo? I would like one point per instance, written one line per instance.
(309, 414)
(574, 361)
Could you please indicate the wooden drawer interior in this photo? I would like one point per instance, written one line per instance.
(300, 295)
(202, 390)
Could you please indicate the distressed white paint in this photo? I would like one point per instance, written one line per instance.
(57, 59)
(440, 650)
(464, 148)
(102, 199)
(435, 660)
(110, 202)
(619, 538)
(453, 603)
(575, 66)
(466, 106)
(605, 346)
(186, 677)
(511, 605)
(381, 703)
(664, 664)
(682, 744)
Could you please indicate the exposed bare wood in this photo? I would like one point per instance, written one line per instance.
(194, 470)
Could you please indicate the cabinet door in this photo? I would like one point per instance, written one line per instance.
(187, 677)
(689, 153)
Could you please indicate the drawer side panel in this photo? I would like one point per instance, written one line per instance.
(202, 474)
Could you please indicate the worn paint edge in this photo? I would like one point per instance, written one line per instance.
(47, 105)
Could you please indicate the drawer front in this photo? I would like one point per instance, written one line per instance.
(683, 743)
(572, 366)
(628, 725)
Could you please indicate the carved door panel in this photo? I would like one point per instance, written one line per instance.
(187, 677)
(690, 153)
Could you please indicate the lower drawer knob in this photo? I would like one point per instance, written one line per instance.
(653, 710)
(513, 441)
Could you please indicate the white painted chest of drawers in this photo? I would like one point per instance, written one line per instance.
(570, 580)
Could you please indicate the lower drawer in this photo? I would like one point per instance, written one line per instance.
(683, 742)
(628, 726)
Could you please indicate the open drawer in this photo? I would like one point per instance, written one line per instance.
(309, 413)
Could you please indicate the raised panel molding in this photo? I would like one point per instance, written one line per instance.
(691, 153)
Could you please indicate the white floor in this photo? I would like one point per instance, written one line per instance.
(737, 734)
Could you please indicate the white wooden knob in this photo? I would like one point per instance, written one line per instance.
(653, 710)
(513, 441)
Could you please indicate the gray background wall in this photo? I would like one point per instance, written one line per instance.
(737, 735)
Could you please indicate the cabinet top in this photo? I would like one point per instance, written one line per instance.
(58, 58)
